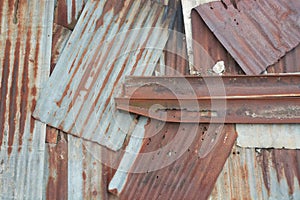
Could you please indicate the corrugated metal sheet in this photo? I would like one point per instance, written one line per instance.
(67, 12)
(256, 33)
(95, 62)
(25, 49)
(170, 167)
(259, 174)
(269, 136)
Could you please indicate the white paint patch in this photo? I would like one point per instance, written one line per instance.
(269, 136)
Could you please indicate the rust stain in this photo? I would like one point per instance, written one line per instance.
(24, 89)
(57, 185)
(13, 95)
(4, 87)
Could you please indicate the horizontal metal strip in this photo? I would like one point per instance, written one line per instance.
(191, 87)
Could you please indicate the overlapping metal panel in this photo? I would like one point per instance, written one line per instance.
(256, 33)
(67, 12)
(112, 39)
(25, 49)
(175, 161)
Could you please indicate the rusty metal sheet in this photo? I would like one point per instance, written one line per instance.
(260, 174)
(187, 7)
(288, 64)
(227, 99)
(256, 33)
(170, 167)
(100, 51)
(67, 12)
(25, 49)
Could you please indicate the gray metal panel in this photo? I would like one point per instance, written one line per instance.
(269, 136)
(259, 174)
(90, 70)
(25, 49)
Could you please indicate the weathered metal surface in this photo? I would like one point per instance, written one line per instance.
(271, 136)
(227, 99)
(256, 33)
(170, 167)
(60, 38)
(289, 63)
(209, 87)
(56, 168)
(25, 49)
(100, 51)
(208, 50)
(67, 12)
(259, 174)
(187, 7)
(175, 53)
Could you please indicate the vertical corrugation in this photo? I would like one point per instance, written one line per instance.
(25, 43)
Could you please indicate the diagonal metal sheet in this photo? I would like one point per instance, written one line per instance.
(112, 39)
(174, 161)
(25, 49)
(256, 33)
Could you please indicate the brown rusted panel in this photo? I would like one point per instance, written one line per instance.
(256, 33)
(68, 12)
(208, 50)
(57, 169)
(290, 63)
(176, 59)
(192, 175)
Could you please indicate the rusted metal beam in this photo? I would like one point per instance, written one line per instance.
(228, 99)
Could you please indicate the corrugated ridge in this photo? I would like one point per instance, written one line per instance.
(25, 61)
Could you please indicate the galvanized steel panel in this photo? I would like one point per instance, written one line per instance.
(256, 33)
(269, 136)
(92, 66)
(25, 49)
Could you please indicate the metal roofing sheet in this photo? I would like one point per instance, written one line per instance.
(260, 174)
(256, 33)
(25, 49)
(170, 167)
(100, 51)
